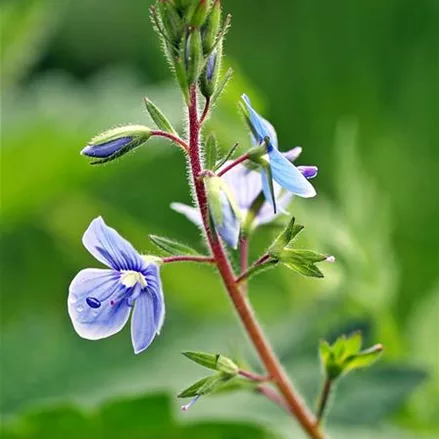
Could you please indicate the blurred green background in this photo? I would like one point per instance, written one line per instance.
(356, 83)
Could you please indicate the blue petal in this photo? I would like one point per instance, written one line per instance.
(152, 276)
(288, 176)
(107, 149)
(308, 171)
(266, 188)
(143, 324)
(230, 227)
(191, 213)
(96, 323)
(108, 247)
(293, 153)
(261, 127)
(245, 185)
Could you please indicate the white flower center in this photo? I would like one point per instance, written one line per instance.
(130, 278)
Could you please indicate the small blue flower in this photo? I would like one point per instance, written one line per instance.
(246, 185)
(282, 170)
(100, 300)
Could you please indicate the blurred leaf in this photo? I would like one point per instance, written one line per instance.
(123, 419)
(172, 247)
(158, 117)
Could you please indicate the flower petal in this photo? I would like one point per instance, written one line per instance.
(288, 176)
(191, 213)
(143, 324)
(261, 126)
(152, 276)
(308, 171)
(108, 247)
(94, 323)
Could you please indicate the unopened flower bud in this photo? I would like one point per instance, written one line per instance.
(116, 142)
(209, 77)
(211, 26)
(199, 14)
(193, 55)
(308, 171)
(171, 20)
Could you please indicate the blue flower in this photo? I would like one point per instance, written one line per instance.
(246, 185)
(100, 300)
(282, 170)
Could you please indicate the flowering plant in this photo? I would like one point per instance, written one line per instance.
(232, 196)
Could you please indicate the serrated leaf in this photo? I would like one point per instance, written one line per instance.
(158, 117)
(172, 247)
(221, 86)
(211, 151)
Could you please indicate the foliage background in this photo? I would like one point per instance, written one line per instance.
(353, 82)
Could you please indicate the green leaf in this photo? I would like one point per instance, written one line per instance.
(211, 151)
(301, 261)
(226, 157)
(221, 86)
(213, 361)
(286, 237)
(172, 247)
(363, 359)
(305, 270)
(158, 117)
(206, 386)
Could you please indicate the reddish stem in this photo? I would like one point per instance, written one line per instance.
(172, 137)
(240, 301)
(188, 258)
(253, 376)
(245, 273)
(230, 166)
(205, 111)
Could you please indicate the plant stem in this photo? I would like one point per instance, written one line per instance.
(253, 376)
(230, 166)
(240, 301)
(205, 111)
(188, 258)
(172, 137)
(273, 396)
(323, 400)
(263, 260)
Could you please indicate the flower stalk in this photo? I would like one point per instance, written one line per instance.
(323, 400)
(240, 301)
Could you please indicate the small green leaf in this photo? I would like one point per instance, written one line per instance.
(172, 247)
(301, 261)
(353, 343)
(283, 239)
(201, 358)
(363, 359)
(305, 270)
(158, 117)
(211, 151)
(226, 157)
(221, 86)
(206, 386)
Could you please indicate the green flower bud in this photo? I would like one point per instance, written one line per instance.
(209, 76)
(199, 14)
(193, 55)
(212, 26)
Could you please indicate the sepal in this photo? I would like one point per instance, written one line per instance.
(211, 151)
(346, 355)
(216, 362)
(302, 261)
(158, 117)
(199, 14)
(212, 26)
(206, 386)
(286, 237)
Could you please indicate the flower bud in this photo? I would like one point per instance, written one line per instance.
(116, 142)
(211, 26)
(193, 55)
(172, 22)
(199, 14)
(308, 171)
(209, 77)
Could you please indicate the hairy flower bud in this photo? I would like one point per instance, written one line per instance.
(209, 77)
(193, 55)
(116, 142)
(211, 26)
(199, 14)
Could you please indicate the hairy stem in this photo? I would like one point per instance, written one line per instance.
(175, 139)
(230, 166)
(204, 259)
(323, 400)
(240, 301)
